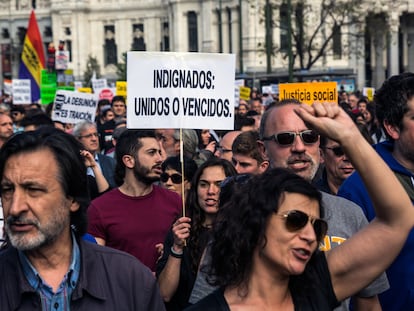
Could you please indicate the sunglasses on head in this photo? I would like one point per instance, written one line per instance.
(296, 220)
(175, 178)
(338, 151)
(287, 138)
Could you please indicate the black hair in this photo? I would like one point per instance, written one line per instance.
(128, 144)
(392, 98)
(190, 166)
(195, 212)
(118, 98)
(72, 169)
(37, 118)
(241, 223)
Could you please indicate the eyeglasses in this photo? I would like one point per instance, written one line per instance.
(238, 179)
(296, 220)
(90, 135)
(287, 138)
(222, 150)
(338, 151)
(175, 178)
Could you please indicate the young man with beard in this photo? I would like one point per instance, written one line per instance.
(46, 265)
(136, 216)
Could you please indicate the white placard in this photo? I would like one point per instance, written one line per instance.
(180, 90)
(98, 84)
(21, 91)
(239, 82)
(77, 84)
(62, 60)
(7, 87)
(73, 107)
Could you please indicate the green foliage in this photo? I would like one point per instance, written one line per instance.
(92, 66)
(121, 68)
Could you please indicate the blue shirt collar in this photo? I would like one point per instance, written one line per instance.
(36, 281)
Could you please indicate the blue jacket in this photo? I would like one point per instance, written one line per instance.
(400, 296)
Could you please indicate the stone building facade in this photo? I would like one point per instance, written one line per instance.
(105, 29)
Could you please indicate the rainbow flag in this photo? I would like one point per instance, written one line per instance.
(33, 57)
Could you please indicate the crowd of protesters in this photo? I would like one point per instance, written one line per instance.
(304, 179)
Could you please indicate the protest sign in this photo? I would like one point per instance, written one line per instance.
(7, 87)
(245, 92)
(73, 107)
(105, 93)
(121, 88)
(180, 90)
(98, 84)
(21, 91)
(309, 92)
(62, 60)
(369, 92)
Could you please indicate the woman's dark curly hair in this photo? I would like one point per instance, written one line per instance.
(196, 213)
(241, 223)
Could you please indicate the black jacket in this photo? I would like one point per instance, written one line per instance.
(109, 280)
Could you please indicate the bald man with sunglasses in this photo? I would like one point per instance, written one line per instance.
(288, 143)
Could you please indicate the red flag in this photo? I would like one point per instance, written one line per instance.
(33, 57)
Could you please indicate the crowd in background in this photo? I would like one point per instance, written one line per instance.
(143, 168)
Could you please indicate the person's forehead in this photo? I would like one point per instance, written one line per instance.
(242, 158)
(228, 139)
(284, 118)
(5, 119)
(212, 173)
(149, 143)
(118, 103)
(91, 129)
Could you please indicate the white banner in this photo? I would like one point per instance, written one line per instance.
(21, 91)
(180, 90)
(98, 84)
(73, 107)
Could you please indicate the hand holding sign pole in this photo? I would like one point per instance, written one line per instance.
(180, 90)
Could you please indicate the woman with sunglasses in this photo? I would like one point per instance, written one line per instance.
(183, 247)
(264, 254)
(171, 177)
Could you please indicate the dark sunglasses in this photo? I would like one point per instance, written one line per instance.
(296, 220)
(338, 151)
(236, 179)
(287, 138)
(175, 178)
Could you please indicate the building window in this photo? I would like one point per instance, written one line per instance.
(110, 48)
(138, 43)
(165, 37)
(68, 44)
(336, 42)
(230, 29)
(192, 32)
(284, 20)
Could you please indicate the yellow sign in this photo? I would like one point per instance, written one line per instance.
(309, 92)
(245, 92)
(121, 88)
(85, 90)
(369, 93)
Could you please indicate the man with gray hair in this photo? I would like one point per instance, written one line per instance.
(87, 134)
